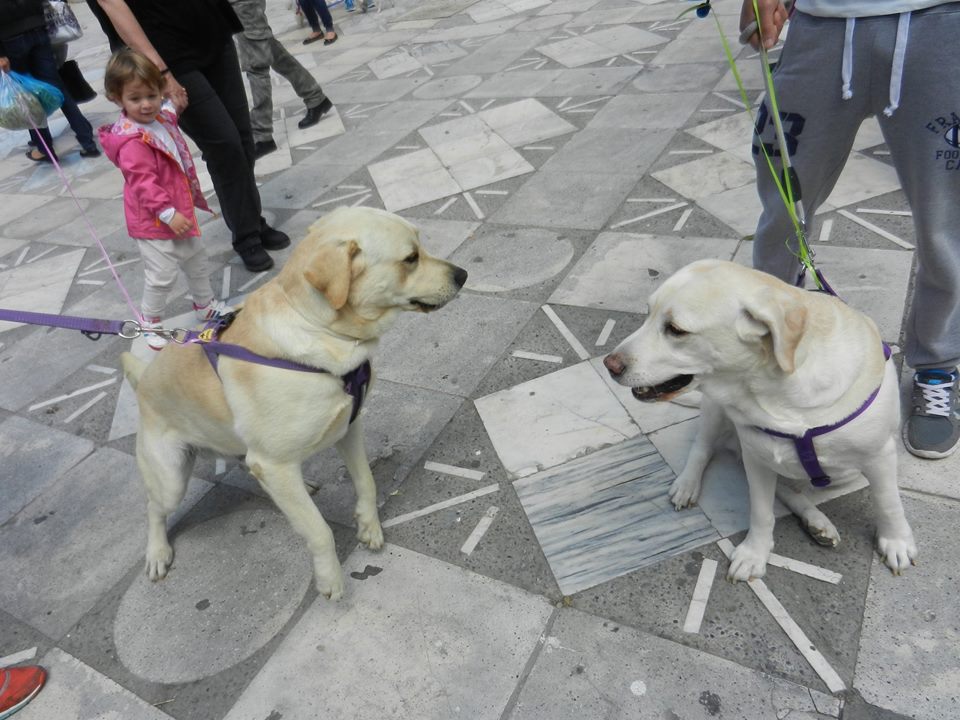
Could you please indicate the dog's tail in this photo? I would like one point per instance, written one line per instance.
(132, 368)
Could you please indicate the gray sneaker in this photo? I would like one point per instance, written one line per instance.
(932, 429)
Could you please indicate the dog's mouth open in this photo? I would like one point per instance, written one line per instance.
(663, 391)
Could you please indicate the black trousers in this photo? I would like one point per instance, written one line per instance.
(218, 121)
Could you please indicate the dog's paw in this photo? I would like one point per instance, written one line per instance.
(159, 559)
(820, 528)
(747, 563)
(684, 491)
(369, 532)
(329, 584)
(898, 553)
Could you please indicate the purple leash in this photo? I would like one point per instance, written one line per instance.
(91, 327)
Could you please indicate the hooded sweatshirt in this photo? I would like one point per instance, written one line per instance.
(155, 178)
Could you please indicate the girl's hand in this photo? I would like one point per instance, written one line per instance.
(179, 224)
(176, 92)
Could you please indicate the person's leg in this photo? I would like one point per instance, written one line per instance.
(18, 53)
(289, 67)
(310, 13)
(922, 134)
(255, 57)
(193, 262)
(219, 122)
(819, 126)
(43, 66)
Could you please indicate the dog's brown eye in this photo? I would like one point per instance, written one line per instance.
(412, 258)
(674, 330)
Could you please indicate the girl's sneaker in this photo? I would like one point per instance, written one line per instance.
(154, 341)
(18, 685)
(213, 309)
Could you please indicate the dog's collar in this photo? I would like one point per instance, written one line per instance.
(804, 443)
(355, 382)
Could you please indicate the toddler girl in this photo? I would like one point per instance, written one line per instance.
(160, 188)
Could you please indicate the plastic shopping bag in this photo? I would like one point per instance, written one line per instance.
(25, 101)
(62, 24)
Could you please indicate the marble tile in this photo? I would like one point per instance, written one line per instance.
(398, 63)
(92, 512)
(525, 122)
(589, 82)
(214, 597)
(106, 217)
(908, 646)
(330, 125)
(568, 6)
(75, 690)
(441, 238)
(739, 208)
(447, 87)
(645, 676)
(869, 135)
(9, 245)
(513, 259)
(732, 133)
(679, 77)
(412, 179)
(560, 199)
(476, 172)
(691, 46)
(467, 32)
(459, 641)
(462, 139)
(496, 54)
(33, 457)
(437, 9)
(371, 91)
(708, 175)
(16, 206)
(862, 178)
(875, 282)
(39, 286)
(576, 51)
(625, 39)
(57, 213)
(438, 52)
(452, 349)
(547, 421)
(519, 83)
(607, 514)
(668, 110)
(620, 270)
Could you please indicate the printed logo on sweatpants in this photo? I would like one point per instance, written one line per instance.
(792, 127)
(949, 127)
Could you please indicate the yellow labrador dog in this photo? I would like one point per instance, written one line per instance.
(343, 286)
(775, 361)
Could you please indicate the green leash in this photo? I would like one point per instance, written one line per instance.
(786, 182)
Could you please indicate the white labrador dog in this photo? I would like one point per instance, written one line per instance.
(767, 355)
(343, 286)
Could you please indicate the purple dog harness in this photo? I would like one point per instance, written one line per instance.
(355, 382)
(804, 443)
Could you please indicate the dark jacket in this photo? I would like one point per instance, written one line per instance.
(18, 16)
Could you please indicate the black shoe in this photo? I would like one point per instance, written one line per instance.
(263, 148)
(255, 258)
(272, 239)
(315, 113)
(90, 152)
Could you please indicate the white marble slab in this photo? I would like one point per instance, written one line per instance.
(619, 271)
(862, 178)
(648, 110)
(525, 122)
(733, 133)
(607, 514)
(75, 690)
(514, 259)
(458, 642)
(39, 286)
(549, 420)
(739, 208)
(441, 238)
(330, 125)
(412, 179)
(708, 175)
(398, 63)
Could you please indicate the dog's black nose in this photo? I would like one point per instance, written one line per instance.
(614, 364)
(460, 277)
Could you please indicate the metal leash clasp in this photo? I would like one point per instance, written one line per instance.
(132, 329)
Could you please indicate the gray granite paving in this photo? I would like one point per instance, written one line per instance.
(571, 154)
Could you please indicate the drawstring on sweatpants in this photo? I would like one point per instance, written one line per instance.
(896, 67)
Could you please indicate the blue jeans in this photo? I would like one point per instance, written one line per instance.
(31, 53)
(314, 8)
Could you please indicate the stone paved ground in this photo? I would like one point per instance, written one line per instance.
(570, 154)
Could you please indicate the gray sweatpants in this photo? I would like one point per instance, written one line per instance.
(260, 51)
(922, 135)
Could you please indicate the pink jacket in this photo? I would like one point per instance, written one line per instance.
(154, 180)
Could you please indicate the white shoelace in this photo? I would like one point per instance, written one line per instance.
(937, 398)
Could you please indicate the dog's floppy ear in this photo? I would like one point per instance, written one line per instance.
(780, 317)
(330, 271)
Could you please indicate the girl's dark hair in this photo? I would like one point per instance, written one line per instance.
(126, 65)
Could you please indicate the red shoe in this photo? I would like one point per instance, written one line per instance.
(18, 685)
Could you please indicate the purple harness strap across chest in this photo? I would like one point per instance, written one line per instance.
(355, 382)
(804, 443)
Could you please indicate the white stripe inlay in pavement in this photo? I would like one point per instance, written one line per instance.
(701, 593)
(578, 348)
(480, 530)
(453, 470)
(406, 517)
(524, 355)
